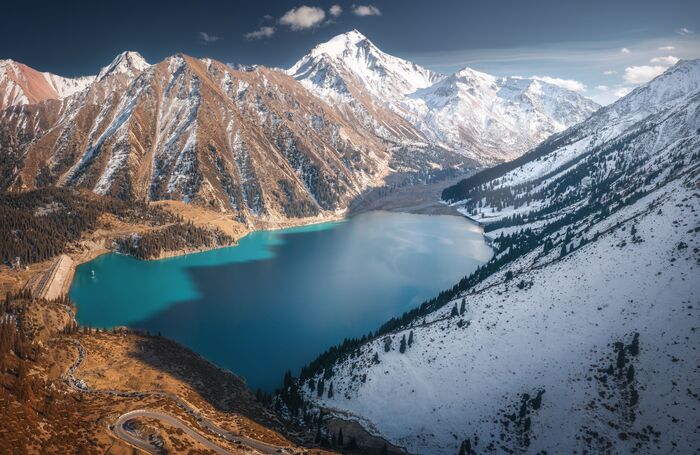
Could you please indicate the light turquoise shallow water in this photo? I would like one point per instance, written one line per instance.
(280, 298)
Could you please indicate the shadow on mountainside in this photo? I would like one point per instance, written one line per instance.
(209, 384)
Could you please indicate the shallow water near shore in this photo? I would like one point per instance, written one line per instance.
(280, 298)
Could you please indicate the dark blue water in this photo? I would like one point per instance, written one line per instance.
(279, 298)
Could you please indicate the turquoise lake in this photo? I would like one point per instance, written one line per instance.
(280, 298)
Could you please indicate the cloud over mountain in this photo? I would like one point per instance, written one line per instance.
(366, 10)
(303, 17)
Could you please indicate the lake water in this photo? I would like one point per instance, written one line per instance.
(280, 298)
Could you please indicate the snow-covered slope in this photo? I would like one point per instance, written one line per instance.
(486, 118)
(580, 335)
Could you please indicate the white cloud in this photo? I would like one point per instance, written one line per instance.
(609, 72)
(262, 32)
(303, 17)
(335, 10)
(602, 87)
(569, 84)
(207, 38)
(683, 31)
(643, 73)
(366, 10)
(668, 61)
(667, 48)
(624, 50)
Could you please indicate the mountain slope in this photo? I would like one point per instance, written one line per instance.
(485, 118)
(579, 335)
(20, 85)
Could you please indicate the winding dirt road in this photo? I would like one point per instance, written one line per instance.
(122, 431)
(121, 426)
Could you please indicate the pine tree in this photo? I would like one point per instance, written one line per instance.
(455, 312)
(287, 379)
(340, 437)
(402, 346)
(463, 307)
(321, 387)
(410, 338)
(634, 347)
(330, 391)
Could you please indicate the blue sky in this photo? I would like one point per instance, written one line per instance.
(600, 48)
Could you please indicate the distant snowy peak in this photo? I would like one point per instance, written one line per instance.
(129, 63)
(382, 74)
(21, 84)
(495, 118)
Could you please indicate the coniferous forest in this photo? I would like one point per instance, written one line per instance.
(38, 225)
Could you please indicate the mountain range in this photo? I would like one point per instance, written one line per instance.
(265, 144)
(578, 336)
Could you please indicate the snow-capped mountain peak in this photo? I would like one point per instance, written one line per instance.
(382, 74)
(130, 63)
(341, 44)
(470, 74)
